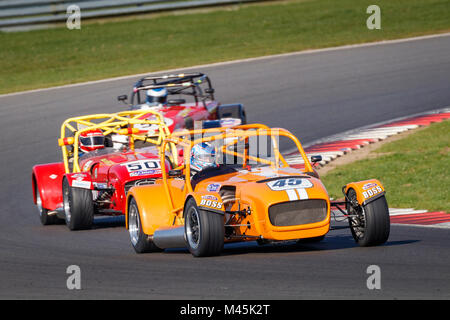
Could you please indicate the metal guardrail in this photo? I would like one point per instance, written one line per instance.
(16, 13)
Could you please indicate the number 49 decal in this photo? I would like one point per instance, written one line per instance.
(289, 183)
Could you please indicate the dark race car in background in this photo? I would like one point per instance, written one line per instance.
(190, 98)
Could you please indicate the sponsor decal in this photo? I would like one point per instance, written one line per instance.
(210, 197)
(211, 204)
(369, 185)
(53, 176)
(230, 122)
(289, 183)
(145, 172)
(81, 184)
(372, 192)
(100, 185)
(213, 187)
(79, 176)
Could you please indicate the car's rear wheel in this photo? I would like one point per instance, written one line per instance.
(204, 231)
(44, 217)
(370, 223)
(139, 240)
(78, 207)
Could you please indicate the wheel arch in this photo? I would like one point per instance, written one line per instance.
(366, 190)
(153, 207)
(47, 180)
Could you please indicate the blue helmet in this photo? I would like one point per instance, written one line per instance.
(203, 156)
(157, 95)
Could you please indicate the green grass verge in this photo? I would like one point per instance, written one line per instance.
(414, 170)
(44, 58)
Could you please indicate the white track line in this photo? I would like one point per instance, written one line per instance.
(393, 212)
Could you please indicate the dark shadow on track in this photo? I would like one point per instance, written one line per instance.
(330, 243)
(108, 222)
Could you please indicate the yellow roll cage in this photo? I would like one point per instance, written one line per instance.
(184, 139)
(114, 123)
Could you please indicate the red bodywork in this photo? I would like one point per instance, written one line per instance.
(175, 117)
(110, 171)
(113, 172)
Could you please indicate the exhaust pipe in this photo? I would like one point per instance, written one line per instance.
(59, 212)
(169, 238)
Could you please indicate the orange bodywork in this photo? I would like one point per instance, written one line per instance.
(366, 190)
(244, 196)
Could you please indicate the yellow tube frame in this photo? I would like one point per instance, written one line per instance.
(113, 123)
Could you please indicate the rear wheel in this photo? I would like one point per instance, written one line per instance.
(78, 207)
(369, 224)
(139, 240)
(204, 231)
(43, 213)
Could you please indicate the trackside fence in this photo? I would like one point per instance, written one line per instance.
(22, 13)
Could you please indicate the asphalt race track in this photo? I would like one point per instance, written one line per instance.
(313, 95)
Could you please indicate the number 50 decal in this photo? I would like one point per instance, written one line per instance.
(142, 165)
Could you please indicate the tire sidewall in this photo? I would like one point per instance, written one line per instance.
(376, 223)
(211, 234)
(78, 207)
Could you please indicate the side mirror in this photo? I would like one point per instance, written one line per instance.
(175, 173)
(315, 159)
(123, 98)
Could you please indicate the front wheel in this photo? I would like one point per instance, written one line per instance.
(204, 231)
(369, 224)
(139, 240)
(78, 207)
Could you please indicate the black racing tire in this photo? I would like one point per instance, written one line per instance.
(139, 240)
(78, 207)
(204, 231)
(44, 217)
(371, 227)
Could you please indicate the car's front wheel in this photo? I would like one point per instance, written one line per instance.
(139, 240)
(370, 223)
(204, 230)
(78, 207)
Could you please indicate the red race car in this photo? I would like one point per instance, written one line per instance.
(182, 99)
(104, 155)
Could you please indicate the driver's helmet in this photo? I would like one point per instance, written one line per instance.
(156, 96)
(203, 156)
(92, 140)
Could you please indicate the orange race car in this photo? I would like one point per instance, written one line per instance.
(236, 185)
